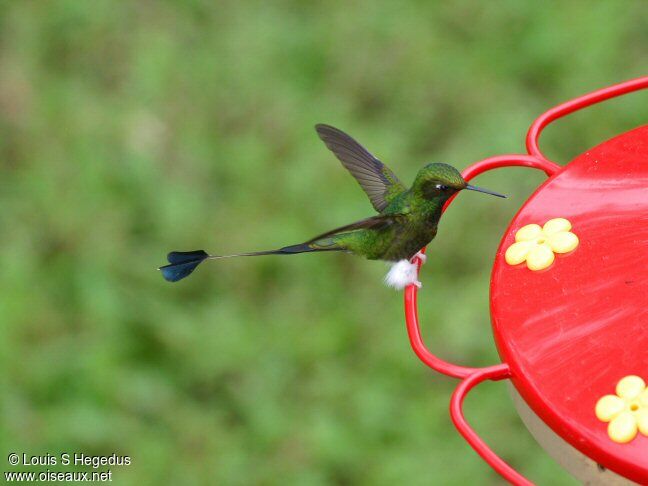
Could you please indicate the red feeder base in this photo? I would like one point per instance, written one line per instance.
(571, 332)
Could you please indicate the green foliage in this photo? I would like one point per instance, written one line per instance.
(130, 129)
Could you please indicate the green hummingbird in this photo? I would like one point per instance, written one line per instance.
(407, 219)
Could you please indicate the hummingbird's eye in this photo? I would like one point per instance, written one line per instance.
(441, 187)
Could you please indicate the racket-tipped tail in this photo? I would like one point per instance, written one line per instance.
(182, 264)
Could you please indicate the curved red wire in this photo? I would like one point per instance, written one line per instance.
(576, 104)
(411, 292)
(497, 372)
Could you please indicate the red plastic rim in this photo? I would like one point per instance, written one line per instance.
(571, 332)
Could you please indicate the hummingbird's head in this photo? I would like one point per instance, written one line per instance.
(441, 181)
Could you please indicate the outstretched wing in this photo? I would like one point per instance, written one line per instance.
(375, 178)
(380, 221)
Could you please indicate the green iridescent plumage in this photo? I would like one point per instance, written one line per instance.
(407, 219)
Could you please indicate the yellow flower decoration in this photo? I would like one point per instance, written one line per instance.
(627, 411)
(536, 245)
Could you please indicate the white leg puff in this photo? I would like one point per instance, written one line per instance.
(402, 274)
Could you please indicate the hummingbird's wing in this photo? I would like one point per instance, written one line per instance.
(375, 178)
(377, 222)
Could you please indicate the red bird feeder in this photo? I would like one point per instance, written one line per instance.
(569, 306)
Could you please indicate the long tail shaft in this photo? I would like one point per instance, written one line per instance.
(286, 250)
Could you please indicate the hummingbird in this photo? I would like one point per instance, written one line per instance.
(407, 219)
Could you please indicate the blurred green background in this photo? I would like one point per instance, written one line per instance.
(131, 129)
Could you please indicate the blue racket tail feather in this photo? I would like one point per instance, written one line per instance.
(182, 264)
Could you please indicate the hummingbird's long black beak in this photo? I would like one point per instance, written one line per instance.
(485, 191)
